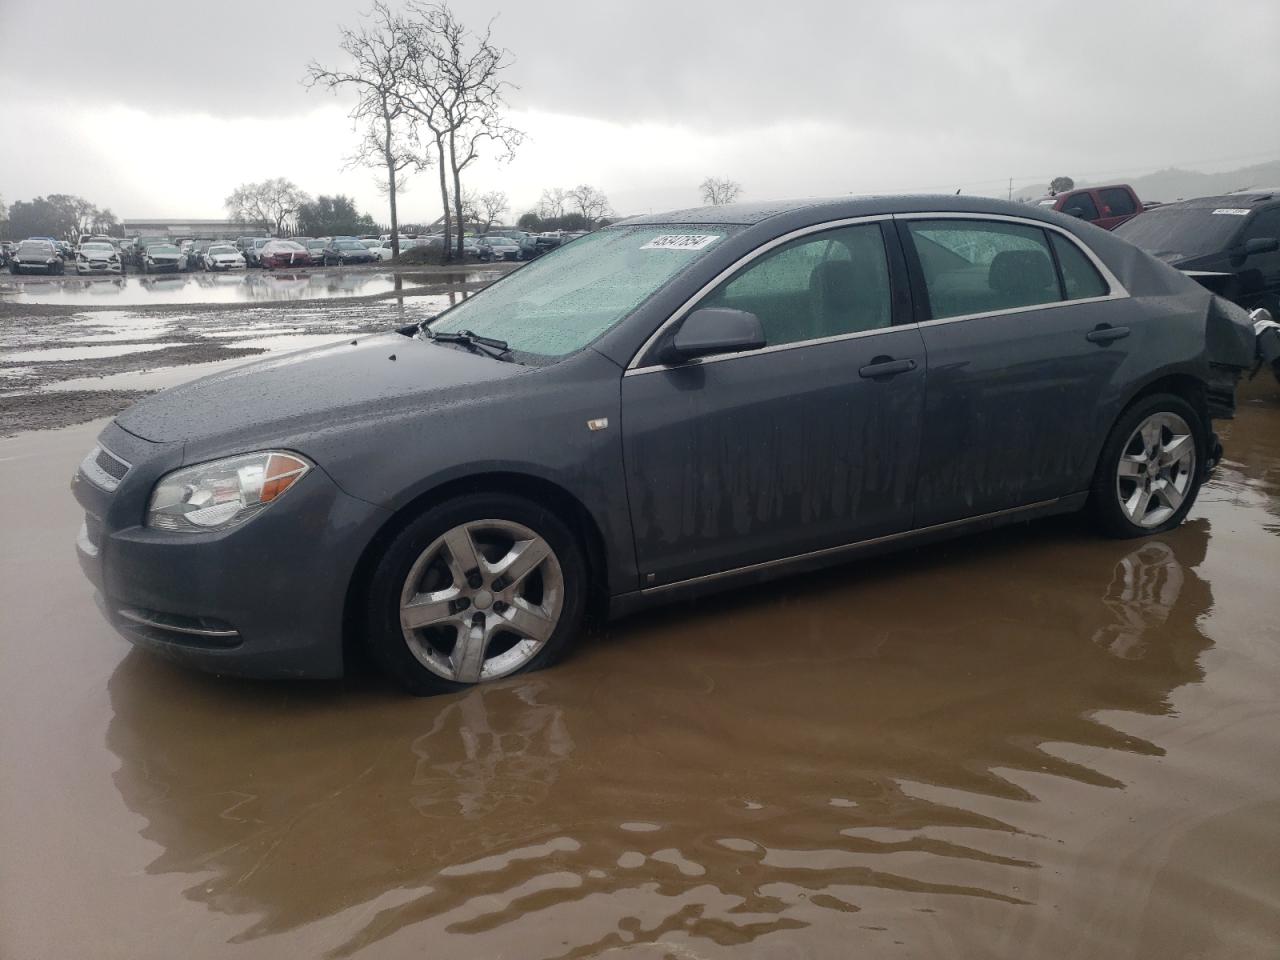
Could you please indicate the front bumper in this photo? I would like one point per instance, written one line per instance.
(97, 266)
(265, 599)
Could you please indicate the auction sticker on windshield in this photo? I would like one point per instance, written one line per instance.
(681, 241)
(1231, 212)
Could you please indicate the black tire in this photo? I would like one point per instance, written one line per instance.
(383, 633)
(1104, 499)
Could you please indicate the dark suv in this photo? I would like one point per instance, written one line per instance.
(1231, 244)
(672, 405)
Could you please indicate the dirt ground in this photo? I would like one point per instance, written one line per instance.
(1033, 743)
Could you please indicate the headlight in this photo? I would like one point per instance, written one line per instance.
(222, 493)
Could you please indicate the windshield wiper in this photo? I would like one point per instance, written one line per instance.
(497, 349)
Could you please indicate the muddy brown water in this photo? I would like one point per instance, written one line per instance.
(1032, 743)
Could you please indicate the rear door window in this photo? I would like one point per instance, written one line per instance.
(1081, 205)
(977, 266)
(1117, 203)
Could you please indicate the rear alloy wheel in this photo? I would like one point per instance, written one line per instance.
(1149, 474)
(476, 589)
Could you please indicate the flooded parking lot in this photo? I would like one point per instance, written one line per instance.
(1033, 743)
(239, 286)
(64, 362)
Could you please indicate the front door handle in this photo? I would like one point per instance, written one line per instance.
(1103, 333)
(886, 367)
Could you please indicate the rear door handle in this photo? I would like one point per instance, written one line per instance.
(1105, 334)
(885, 367)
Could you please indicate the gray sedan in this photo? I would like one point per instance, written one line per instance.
(676, 404)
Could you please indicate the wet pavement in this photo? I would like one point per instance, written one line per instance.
(239, 286)
(63, 363)
(1032, 743)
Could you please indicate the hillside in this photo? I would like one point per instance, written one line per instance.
(1175, 184)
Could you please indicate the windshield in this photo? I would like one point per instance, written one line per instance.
(97, 248)
(1179, 233)
(222, 248)
(349, 245)
(161, 248)
(35, 246)
(559, 304)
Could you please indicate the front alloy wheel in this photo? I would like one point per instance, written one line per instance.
(481, 600)
(474, 589)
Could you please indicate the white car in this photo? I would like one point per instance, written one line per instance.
(222, 256)
(96, 256)
(384, 252)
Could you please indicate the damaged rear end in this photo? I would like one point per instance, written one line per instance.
(1232, 349)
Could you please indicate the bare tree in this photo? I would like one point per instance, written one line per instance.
(590, 202)
(272, 203)
(717, 191)
(378, 72)
(551, 205)
(1061, 185)
(492, 206)
(458, 91)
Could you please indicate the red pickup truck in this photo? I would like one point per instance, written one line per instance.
(1106, 207)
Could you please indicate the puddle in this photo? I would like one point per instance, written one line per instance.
(251, 287)
(158, 378)
(83, 353)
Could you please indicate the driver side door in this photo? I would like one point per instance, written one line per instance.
(808, 443)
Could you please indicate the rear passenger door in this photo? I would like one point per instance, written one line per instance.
(1024, 335)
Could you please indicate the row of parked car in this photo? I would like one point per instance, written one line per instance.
(1229, 243)
(109, 255)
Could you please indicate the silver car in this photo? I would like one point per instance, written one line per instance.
(97, 256)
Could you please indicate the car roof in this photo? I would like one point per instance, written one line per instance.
(819, 210)
(1244, 197)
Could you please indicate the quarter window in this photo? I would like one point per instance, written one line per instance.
(974, 266)
(1119, 203)
(825, 285)
(1080, 279)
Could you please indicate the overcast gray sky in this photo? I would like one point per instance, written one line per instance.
(165, 115)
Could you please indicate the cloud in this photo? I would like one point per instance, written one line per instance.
(167, 115)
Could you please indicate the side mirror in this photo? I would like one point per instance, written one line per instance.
(1261, 245)
(714, 330)
(1077, 212)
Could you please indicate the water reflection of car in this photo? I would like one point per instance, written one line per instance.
(346, 251)
(97, 257)
(222, 256)
(162, 258)
(283, 253)
(494, 247)
(660, 368)
(1231, 244)
(40, 256)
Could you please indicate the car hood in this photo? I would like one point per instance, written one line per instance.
(294, 393)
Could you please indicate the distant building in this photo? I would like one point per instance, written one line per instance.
(196, 229)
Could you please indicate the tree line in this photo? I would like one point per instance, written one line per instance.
(62, 216)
